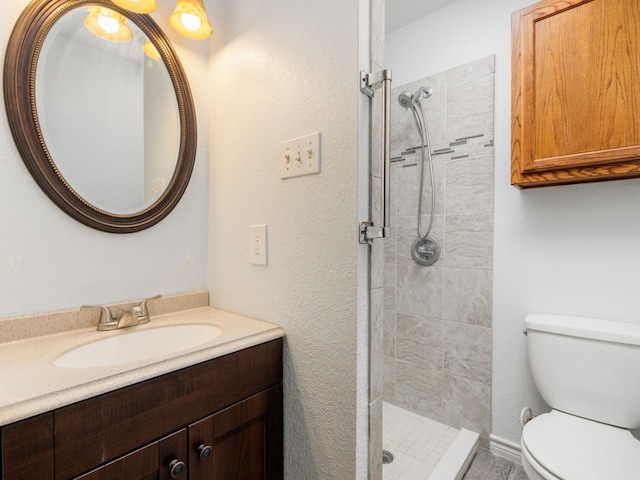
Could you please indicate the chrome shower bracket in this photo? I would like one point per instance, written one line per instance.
(370, 82)
(368, 233)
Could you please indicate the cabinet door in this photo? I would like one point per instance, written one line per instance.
(241, 442)
(160, 460)
(575, 96)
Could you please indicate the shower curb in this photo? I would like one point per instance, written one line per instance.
(456, 460)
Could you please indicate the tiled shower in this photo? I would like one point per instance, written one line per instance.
(437, 319)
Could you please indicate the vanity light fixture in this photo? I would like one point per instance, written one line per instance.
(150, 50)
(190, 20)
(137, 6)
(108, 24)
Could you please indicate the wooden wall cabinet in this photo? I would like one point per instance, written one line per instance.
(575, 92)
(218, 420)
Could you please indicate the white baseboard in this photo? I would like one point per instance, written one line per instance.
(505, 449)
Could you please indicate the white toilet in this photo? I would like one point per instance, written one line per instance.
(588, 371)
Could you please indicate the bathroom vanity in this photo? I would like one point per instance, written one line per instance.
(215, 418)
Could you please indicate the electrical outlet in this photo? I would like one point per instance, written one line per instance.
(258, 244)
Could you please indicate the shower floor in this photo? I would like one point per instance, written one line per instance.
(423, 448)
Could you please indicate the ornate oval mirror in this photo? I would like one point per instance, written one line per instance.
(101, 112)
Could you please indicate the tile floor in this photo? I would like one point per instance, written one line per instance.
(487, 466)
(417, 443)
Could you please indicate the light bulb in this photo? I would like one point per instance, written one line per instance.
(190, 22)
(108, 24)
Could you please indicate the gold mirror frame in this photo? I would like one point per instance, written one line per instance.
(25, 44)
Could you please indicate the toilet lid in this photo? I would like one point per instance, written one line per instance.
(573, 448)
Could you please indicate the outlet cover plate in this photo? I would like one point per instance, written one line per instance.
(300, 156)
(258, 244)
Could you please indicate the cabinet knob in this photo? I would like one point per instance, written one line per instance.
(204, 451)
(176, 467)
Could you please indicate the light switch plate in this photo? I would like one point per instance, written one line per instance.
(300, 156)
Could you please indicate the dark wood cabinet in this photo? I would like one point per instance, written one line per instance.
(575, 96)
(220, 419)
(160, 460)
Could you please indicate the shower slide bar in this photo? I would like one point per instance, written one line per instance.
(369, 83)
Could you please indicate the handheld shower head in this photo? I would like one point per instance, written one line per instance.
(408, 99)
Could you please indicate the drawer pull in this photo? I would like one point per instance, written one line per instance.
(176, 467)
(204, 451)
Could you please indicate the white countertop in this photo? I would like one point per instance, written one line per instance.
(31, 384)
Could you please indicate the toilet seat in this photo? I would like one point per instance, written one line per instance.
(566, 447)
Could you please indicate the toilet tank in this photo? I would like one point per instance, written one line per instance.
(587, 367)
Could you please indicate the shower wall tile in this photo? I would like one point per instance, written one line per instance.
(377, 249)
(467, 404)
(375, 440)
(408, 232)
(409, 181)
(389, 394)
(377, 31)
(393, 201)
(477, 68)
(419, 390)
(406, 133)
(377, 265)
(389, 342)
(469, 240)
(390, 246)
(470, 107)
(467, 351)
(389, 287)
(468, 295)
(376, 336)
(419, 340)
(469, 186)
(396, 144)
(420, 290)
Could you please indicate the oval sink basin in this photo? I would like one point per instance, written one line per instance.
(138, 345)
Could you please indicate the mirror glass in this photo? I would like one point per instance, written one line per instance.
(108, 114)
(101, 111)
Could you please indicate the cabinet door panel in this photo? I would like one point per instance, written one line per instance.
(575, 101)
(139, 465)
(241, 454)
(201, 437)
(173, 448)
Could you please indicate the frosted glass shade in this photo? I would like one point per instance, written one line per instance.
(137, 6)
(108, 24)
(190, 20)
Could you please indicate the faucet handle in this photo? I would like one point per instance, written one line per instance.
(106, 321)
(141, 311)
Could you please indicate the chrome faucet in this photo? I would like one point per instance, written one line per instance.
(136, 315)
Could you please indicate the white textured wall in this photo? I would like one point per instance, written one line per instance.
(48, 261)
(286, 69)
(569, 249)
